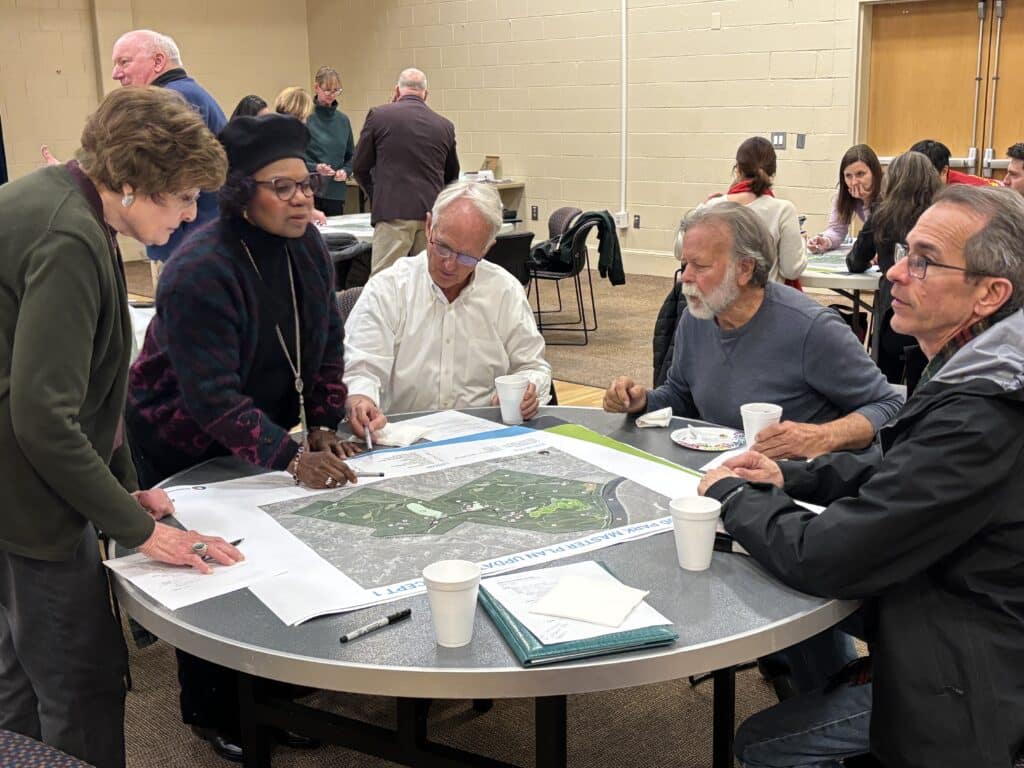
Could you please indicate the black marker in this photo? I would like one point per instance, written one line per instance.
(393, 618)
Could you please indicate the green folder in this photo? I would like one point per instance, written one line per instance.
(531, 652)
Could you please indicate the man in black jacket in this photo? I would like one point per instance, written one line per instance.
(404, 157)
(928, 529)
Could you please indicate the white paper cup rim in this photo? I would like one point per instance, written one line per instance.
(451, 575)
(761, 408)
(701, 508)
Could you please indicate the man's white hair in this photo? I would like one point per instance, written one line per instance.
(412, 79)
(483, 197)
(154, 42)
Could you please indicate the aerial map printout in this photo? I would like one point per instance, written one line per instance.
(506, 498)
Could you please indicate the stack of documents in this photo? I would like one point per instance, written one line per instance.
(571, 612)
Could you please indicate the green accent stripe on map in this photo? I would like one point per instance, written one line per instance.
(590, 436)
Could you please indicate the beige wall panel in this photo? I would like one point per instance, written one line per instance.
(226, 47)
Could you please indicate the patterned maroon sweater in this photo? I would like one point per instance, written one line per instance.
(187, 396)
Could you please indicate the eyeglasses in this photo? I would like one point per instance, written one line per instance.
(285, 188)
(918, 265)
(331, 91)
(444, 252)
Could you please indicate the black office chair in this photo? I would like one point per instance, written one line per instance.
(512, 251)
(553, 270)
(347, 300)
(351, 259)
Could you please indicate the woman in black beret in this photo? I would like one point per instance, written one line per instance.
(246, 344)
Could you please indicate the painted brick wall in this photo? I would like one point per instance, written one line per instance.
(537, 82)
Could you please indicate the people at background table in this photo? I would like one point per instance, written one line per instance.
(67, 336)
(1014, 178)
(743, 338)
(927, 528)
(910, 185)
(433, 331)
(297, 102)
(331, 145)
(939, 154)
(250, 106)
(859, 187)
(246, 317)
(405, 156)
(754, 175)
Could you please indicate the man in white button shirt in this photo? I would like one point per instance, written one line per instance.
(434, 330)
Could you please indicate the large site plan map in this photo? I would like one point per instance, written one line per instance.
(387, 532)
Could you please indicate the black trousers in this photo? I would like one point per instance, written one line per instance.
(62, 655)
(328, 206)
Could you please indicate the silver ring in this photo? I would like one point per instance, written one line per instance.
(200, 548)
(329, 482)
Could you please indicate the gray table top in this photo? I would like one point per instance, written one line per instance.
(731, 613)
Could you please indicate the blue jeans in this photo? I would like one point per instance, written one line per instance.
(811, 662)
(813, 730)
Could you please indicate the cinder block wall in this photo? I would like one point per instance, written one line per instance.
(535, 81)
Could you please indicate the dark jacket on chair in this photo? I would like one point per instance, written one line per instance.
(610, 255)
(404, 157)
(665, 330)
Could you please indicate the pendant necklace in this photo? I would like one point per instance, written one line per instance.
(295, 366)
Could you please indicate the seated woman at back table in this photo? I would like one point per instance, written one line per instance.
(246, 342)
(754, 173)
(860, 185)
(909, 187)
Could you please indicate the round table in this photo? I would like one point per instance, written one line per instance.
(729, 614)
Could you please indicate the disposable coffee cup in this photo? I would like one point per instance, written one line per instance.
(452, 586)
(511, 389)
(694, 520)
(757, 416)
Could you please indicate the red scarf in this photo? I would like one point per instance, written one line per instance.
(744, 186)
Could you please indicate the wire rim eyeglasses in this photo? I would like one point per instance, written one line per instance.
(445, 253)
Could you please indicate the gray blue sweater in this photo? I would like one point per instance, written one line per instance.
(793, 352)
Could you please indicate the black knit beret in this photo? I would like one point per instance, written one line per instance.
(254, 142)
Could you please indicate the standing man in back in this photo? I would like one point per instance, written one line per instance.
(143, 57)
(404, 157)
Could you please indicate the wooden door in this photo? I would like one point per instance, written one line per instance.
(1004, 120)
(922, 67)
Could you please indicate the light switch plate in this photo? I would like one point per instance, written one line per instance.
(779, 139)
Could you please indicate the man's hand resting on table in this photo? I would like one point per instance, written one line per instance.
(363, 412)
(790, 439)
(529, 405)
(174, 546)
(751, 466)
(625, 396)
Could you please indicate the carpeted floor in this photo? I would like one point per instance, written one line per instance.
(653, 726)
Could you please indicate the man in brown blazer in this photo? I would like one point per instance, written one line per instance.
(405, 156)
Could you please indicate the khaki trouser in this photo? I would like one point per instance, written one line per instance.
(396, 238)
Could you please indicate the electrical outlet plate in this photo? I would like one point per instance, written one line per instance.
(636, 221)
(533, 213)
(801, 140)
(622, 220)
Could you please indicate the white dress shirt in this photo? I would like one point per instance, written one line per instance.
(408, 349)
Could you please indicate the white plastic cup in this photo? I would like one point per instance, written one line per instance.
(757, 416)
(511, 389)
(452, 586)
(694, 520)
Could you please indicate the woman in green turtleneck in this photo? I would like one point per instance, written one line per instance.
(331, 145)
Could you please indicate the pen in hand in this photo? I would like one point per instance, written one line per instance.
(380, 623)
(235, 543)
(369, 437)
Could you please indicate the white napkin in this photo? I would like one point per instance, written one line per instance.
(584, 599)
(659, 418)
(399, 434)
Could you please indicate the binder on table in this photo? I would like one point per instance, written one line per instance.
(532, 652)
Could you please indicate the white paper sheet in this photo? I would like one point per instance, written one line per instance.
(519, 592)
(176, 586)
(595, 601)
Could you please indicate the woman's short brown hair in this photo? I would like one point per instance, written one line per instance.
(153, 140)
(294, 101)
(326, 75)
